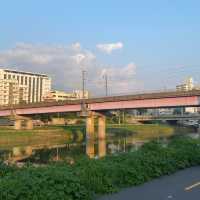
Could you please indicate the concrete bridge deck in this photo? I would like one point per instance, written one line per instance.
(149, 100)
(93, 107)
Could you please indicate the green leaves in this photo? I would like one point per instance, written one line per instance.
(47, 183)
(107, 175)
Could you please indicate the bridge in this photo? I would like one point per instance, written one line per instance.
(148, 100)
(95, 107)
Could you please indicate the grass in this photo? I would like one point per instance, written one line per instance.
(87, 179)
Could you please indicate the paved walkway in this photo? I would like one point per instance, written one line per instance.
(184, 185)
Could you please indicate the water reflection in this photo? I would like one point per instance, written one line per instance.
(101, 148)
(93, 148)
(90, 148)
(57, 147)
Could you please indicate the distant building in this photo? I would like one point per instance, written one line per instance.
(187, 86)
(56, 95)
(22, 87)
(191, 109)
(79, 94)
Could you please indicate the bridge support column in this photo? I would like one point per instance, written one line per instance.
(90, 127)
(101, 148)
(28, 150)
(29, 124)
(16, 151)
(90, 150)
(101, 127)
(18, 124)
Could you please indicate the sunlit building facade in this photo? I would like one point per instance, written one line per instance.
(57, 95)
(22, 87)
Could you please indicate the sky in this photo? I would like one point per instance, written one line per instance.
(140, 45)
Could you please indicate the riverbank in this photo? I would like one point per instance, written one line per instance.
(76, 133)
(120, 129)
(90, 178)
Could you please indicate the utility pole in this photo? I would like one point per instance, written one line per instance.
(83, 106)
(106, 83)
(83, 84)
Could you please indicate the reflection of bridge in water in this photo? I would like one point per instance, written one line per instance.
(92, 148)
(21, 153)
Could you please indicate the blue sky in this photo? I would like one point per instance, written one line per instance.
(162, 38)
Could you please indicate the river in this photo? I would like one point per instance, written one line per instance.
(43, 146)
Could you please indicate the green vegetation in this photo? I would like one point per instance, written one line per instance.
(144, 129)
(87, 178)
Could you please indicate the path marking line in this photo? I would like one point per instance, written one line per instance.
(192, 186)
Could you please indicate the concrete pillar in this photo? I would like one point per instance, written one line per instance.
(102, 127)
(28, 150)
(90, 127)
(101, 147)
(29, 124)
(18, 124)
(17, 151)
(90, 150)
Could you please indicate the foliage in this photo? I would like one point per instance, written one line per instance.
(87, 177)
(47, 183)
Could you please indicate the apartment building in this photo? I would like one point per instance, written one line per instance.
(22, 87)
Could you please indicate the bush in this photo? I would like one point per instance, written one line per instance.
(5, 169)
(51, 183)
(107, 175)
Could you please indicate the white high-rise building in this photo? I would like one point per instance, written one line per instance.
(22, 87)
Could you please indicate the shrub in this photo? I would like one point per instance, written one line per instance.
(89, 176)
(51, 183)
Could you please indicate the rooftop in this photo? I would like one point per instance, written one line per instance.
(23, 72)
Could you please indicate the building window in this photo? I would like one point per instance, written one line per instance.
(18, 78)
(22, 80)
(5, 76)
(14, 76)
(26, 80)
(9, 76)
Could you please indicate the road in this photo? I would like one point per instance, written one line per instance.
(183, 185)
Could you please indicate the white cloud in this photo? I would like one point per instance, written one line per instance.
(122, 79)
(76, 46)
(80, 58)
(108, 48)
(64, 64)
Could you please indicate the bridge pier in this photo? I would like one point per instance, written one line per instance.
(101, 127)
(90, 149)
(18, 124)
(90, 127)
(101, 148)
(29, 124)
(16, 151)
(28, 150)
